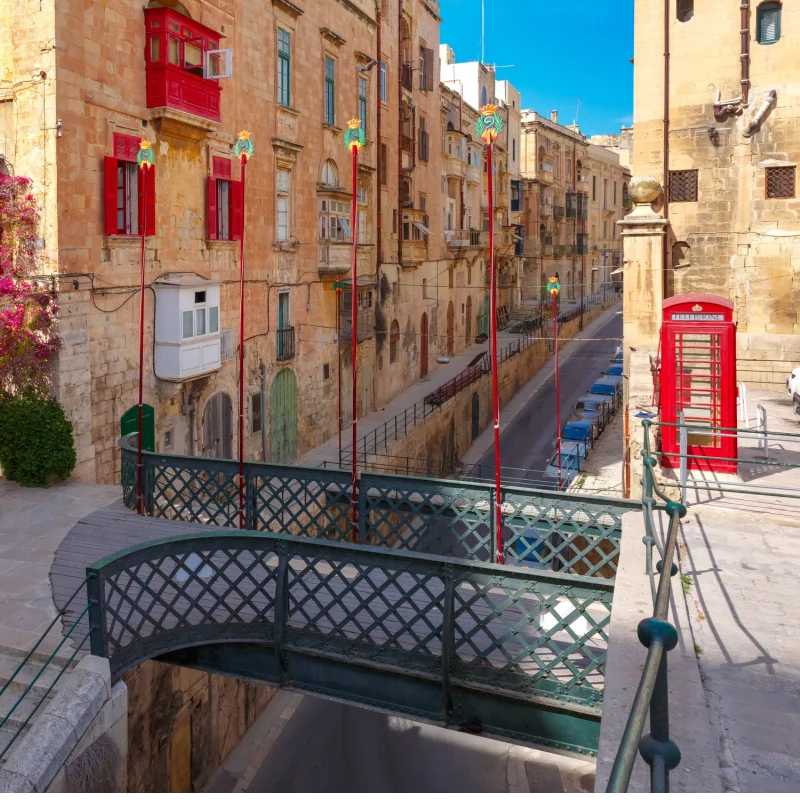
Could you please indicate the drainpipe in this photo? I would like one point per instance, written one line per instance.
(263, 371)
(665, 180)
(745, 8)
(190, 408)
(378, 154)
(770, 98)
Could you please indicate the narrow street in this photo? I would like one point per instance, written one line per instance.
(308, 744)
(530, 439)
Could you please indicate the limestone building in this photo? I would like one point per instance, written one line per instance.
(725, 146)
(555, 176)
(81, 84)
(608, 202)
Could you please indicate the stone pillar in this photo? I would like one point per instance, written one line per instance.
(642, 232)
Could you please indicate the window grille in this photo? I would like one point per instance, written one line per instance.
(780, 181)
(683, 186)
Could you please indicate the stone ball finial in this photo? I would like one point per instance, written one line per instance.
(644, 189)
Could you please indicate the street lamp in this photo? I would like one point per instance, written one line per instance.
(490, 126)
(554, 288)
(355, 139)
(145, 158)
(243, 149)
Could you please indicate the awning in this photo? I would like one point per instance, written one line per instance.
(421, 227)
(346, 226)
(617, 271)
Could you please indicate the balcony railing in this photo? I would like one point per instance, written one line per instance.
(454, 167)
(414, 251)
(503, 200)
(473, 173)
(285, 344)
(407, 77)
(408, 144)
(334, 258)
(546, 210)
(466, 238)
(366, 326)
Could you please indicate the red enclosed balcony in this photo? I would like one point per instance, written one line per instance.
(182, 64)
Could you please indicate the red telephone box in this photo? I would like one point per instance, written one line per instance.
(698, 378)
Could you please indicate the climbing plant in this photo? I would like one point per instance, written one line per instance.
(27, 303)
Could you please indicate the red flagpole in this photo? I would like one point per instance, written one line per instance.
(493, 328)
(354, 344)
(243, 160)
(339, 367)
(143, 226)
(558, 396)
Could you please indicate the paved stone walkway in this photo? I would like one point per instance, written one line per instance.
(33, 523)
(741, 557)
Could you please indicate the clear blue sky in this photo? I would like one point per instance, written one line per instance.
(560, 50)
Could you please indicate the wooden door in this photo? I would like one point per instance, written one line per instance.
(180, 755)
(283, 418)
(423, 346)
(468, 328)
(451, 323)
(218, 427)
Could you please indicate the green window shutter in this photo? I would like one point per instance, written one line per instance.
(284, 68)
(769, 23)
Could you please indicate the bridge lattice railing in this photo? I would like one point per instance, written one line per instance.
(566, 533)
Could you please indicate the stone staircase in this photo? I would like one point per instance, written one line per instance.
(30, 685)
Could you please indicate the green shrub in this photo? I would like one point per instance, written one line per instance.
(36, 445)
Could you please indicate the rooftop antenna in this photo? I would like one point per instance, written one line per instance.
(483, 31)
(577, 110)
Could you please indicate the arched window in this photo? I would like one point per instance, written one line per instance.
(768, 23)
(681, 255)
(483, 97)
(330, 174)
(685, 10)
(394, 341)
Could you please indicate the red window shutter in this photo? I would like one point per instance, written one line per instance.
(221, 168)
(211, 206)
(150, 212)
(110, 194)
(237, 203)
(126, 147)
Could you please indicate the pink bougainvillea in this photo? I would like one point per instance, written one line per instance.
(27, 302)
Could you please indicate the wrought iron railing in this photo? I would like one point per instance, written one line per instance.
(659, 636)
(455, 626)
(548, 530)
(285, 350)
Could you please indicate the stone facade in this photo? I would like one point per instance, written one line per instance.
(608, 202)
(574, 193)
(733, 240)
(70, 81)
(182, 724)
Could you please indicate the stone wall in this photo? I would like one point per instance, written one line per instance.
(438, 443)
(183, 723)
(734, 241)
(79, 743)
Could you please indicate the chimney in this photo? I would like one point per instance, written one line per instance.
(554, 117)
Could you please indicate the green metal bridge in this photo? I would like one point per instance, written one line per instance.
(414, 618)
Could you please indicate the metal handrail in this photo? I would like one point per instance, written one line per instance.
(46, 664)
(659, 636)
